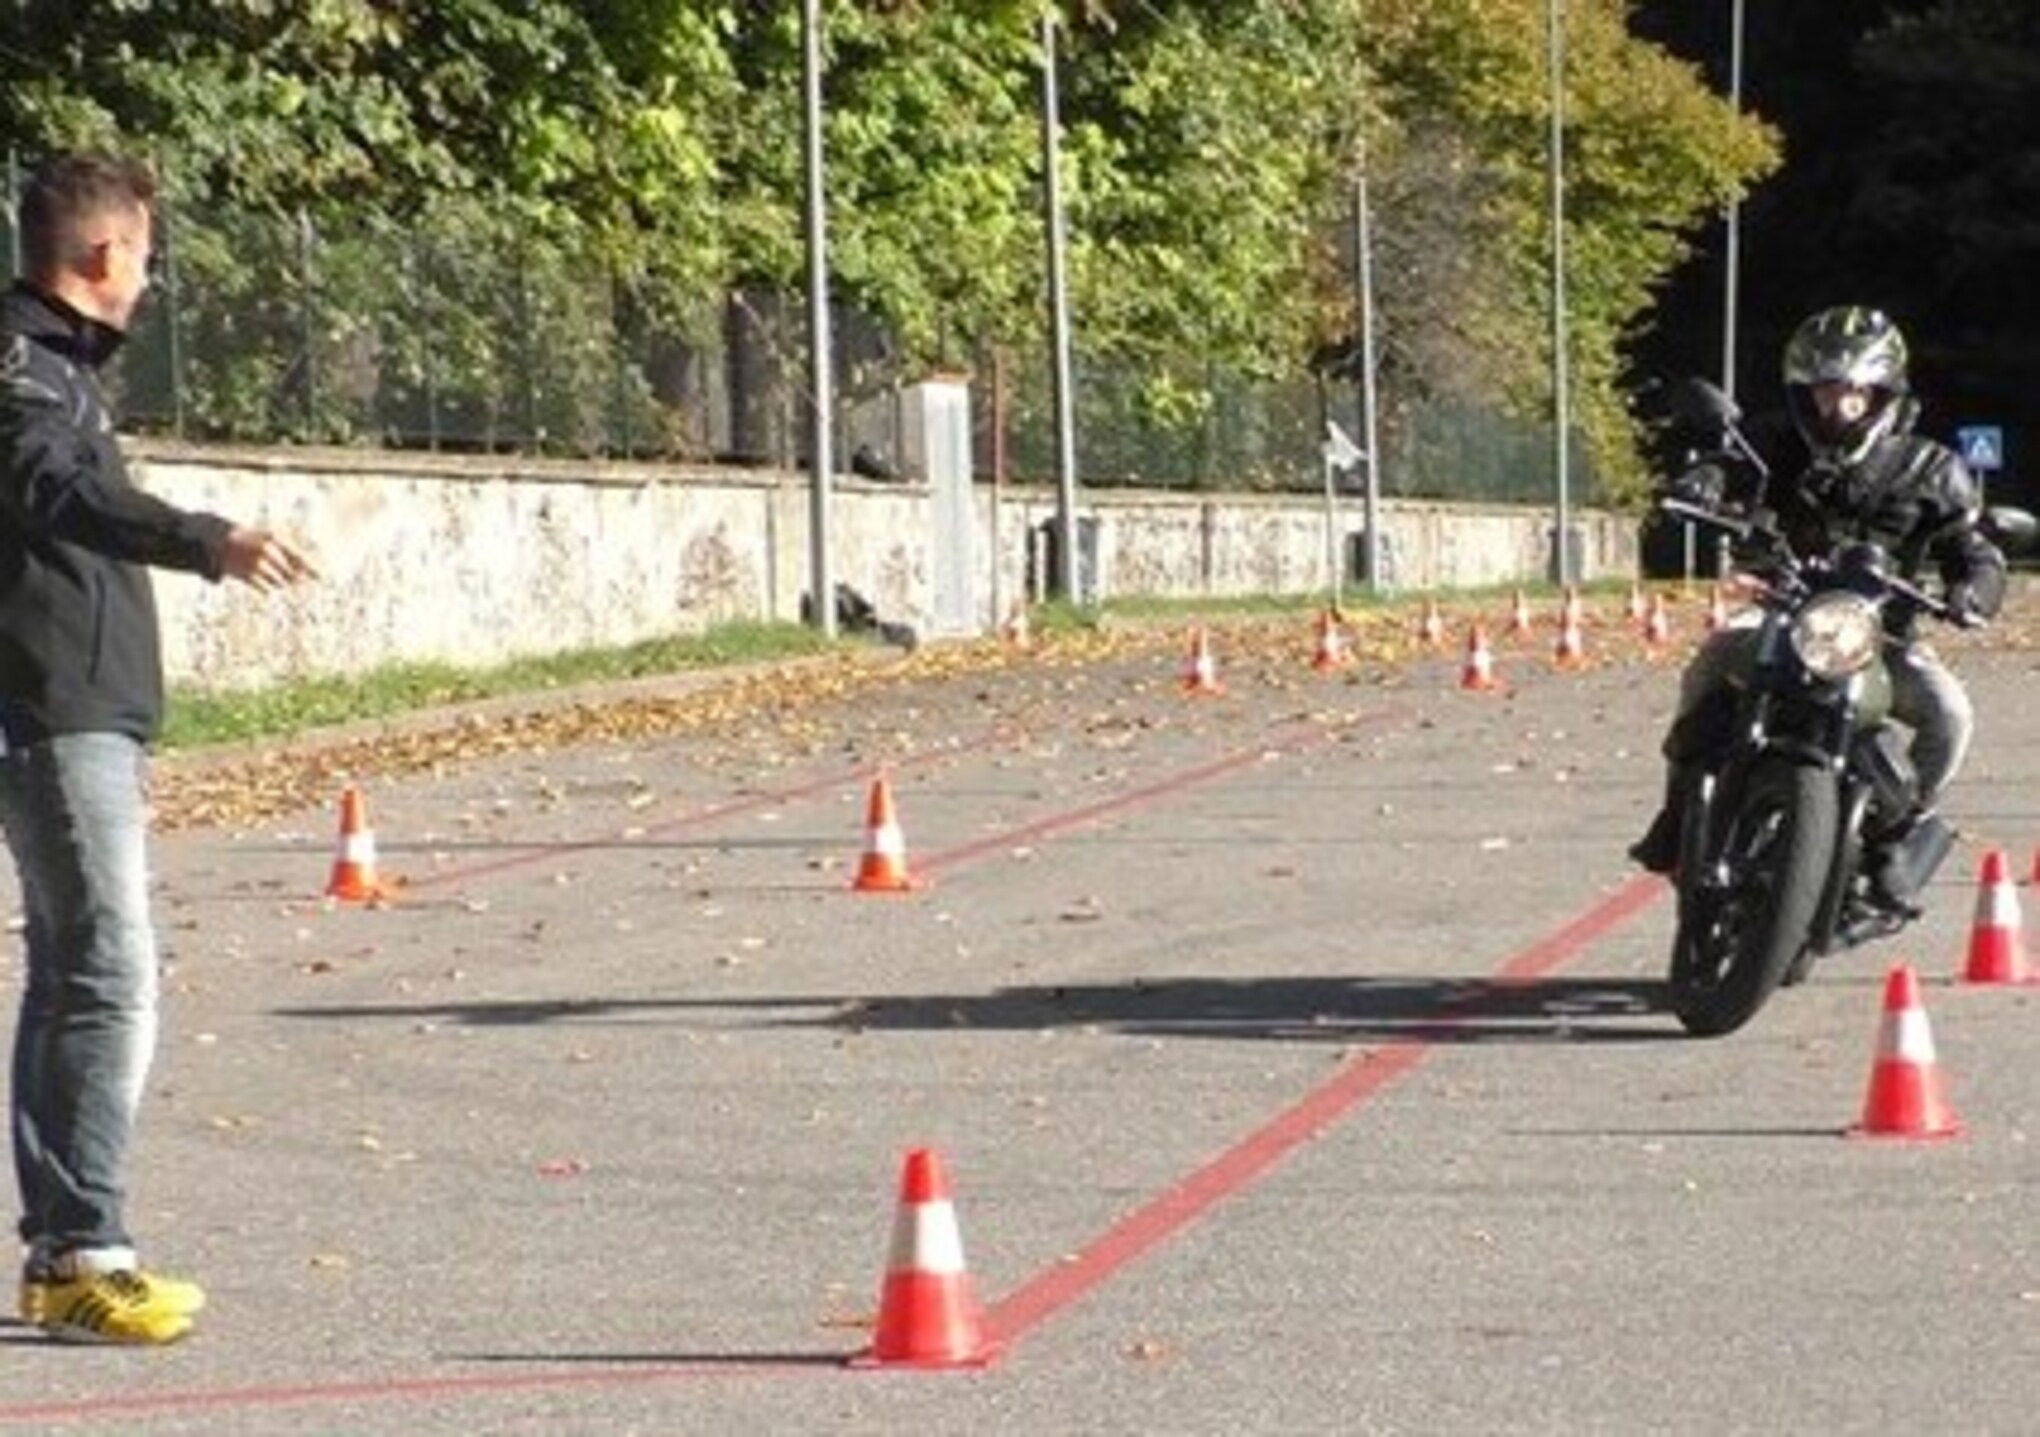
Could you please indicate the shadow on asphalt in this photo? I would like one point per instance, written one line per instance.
(657, 1359)
(1328, 1010)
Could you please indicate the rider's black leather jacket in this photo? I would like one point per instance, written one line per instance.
(1912, 497)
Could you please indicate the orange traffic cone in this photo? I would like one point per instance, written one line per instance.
(1657, 629)
(1331, 650)
(1519, 617)
(1571, 650)
(353, 879)
(1017, 631)
(1997, 947)
(1431, 630)
(1200, 672)
(883, 868)
(1478, 672)
(927, 1311)
(1905, 1098)
(1717, 609)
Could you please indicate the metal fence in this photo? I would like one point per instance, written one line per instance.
(457, 332)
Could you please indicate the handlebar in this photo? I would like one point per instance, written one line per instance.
(1792, 567)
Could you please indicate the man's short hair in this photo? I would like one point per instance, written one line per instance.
(65, 194)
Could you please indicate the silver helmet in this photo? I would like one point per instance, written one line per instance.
(1849, 349)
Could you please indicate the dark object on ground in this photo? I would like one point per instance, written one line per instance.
(855, 614)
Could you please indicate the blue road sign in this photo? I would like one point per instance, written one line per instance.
(1982, 446)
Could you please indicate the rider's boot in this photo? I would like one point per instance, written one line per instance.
(1658, 850)
(1900, 871)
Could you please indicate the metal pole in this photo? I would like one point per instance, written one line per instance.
(1559, 395)
(998, 358)
(1731, 266)
(173, 310)
(1328, 467)
(822, 582)
(1731, 276)
(1059, 311)
(1370, 438)
(308, 322)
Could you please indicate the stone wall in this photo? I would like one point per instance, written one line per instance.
(474, 561)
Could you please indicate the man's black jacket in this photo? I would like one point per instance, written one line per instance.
(79, 648)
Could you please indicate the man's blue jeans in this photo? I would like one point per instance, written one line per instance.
(76, 817)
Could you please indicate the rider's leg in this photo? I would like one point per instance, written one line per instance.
(1930, 701)
(1694, 733)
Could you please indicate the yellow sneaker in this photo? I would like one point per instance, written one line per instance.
(118, 1307)
(35, 1297)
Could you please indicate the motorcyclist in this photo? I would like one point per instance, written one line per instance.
(1868, 479)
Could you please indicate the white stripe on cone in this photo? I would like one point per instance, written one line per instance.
(1997, 907)
(1907, 1039)
(887, 841)
(358, 847)
(926, 1239)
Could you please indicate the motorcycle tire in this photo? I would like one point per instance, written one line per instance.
(1737, 939)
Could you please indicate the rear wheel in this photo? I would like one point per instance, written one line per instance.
(1747, 913)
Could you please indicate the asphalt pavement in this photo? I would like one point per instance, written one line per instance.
(1297, 1057)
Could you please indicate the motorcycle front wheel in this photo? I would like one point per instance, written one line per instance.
(1747, 910)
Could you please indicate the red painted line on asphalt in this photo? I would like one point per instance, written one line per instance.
(1132, 797)
(550, 852)
(1359, 1078)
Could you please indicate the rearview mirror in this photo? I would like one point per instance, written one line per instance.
(1700, 405)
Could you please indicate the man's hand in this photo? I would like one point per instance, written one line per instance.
(263, 561)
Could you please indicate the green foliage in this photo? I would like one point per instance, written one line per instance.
(488, 184)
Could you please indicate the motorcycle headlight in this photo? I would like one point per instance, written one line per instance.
(1837, 635)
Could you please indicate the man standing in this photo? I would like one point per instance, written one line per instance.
(81, 696)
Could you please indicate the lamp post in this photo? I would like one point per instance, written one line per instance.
(1059, 322)
(1370, 434)
(821, 581)
(1732, 239)
(1560, 399)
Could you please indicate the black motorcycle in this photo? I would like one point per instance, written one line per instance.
(1810, 775)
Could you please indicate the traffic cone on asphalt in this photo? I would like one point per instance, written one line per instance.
(353, 879)
(1431, 630)
(1997, 947)
(1478, 672)
(883, 869)
(1519, 617)
(1331, 651)
(927, 1311)
(1571, 650)
(1017, 632)
(1657, 629)
(1905, 1098)
(1200, 672)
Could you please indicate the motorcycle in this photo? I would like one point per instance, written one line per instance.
(1811, 774)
